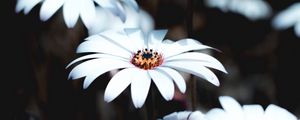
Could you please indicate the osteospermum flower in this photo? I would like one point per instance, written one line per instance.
(288, 18)
(185, 115)
(232, 110)
(252, 9)
(73, 9)
(142, 58)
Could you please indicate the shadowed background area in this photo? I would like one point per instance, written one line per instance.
(262, 64)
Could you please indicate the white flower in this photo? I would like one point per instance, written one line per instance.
(288, 18)
(232, 110)
(185, 115)
(252, 9)
(142, 58)
(26, 5)
(73, 9)
(138, 19)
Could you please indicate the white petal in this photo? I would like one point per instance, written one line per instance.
(132, 3)
(140, 87)
(118, 83)
(137, 37)
(87, 12)
(183, 115)
(232, 107)
(197, 115)
(164, 84)
(274, 112)
(297, 29)
(146, 22)
(49, 7)
(71, 12)
(102, 45)
(197, 70)
(178, 79)
(181, 46)
(155, 38)
(114, 7)
(91, 56)
(172, 116)
(287, 18)
(202, 58)
(96, 67)
(120, 39)
(253, 112)
(217, 114)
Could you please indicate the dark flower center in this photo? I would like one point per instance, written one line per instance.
(146, 59)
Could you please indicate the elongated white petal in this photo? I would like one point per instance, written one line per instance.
(197, 70)
(197, 115)
(140, 87)
(178, 79)
(27, 5)
(287, 18)
(181, 46)
(87, 12)
(71, 12)
(232, 107)
(91, 56)
(49, 7)
(137, 36)
(118, 83)
(199, 58)
(217, 114)
(172, 116)
(155, 38)
(274, 112)
(132, 3)
(102, 45)
(164, 84)
(297, 28)
(253, 112)
(94, 68)
(146, 22)
(120, 39)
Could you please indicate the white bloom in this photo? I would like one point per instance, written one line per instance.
(185, 115)
(232, 110)
(288, 18)
(26, 5)
(142, 58)
(138, 19)
(252, 9)
(73, 9)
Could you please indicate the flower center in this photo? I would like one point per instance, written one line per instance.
(146, 59)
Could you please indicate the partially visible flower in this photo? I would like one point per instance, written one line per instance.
(252, 9)
(138, 19)
(232, 110)
(185, 115)
(73, 9)
(288, 18)
(142, 57)
(26, 5)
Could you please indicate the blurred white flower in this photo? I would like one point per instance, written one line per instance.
(73, 9)
(252, 9)
(142, 57)
(185, 115)
(232, 110)
(288, 18)
(138, 19)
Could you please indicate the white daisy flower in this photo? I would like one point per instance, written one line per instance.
(252, 9)
(232, 110)
(142, 58)
(138, 19)
(73, 9)
(185, 115)
(288, 18)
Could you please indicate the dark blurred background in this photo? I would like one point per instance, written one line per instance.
(262, 63)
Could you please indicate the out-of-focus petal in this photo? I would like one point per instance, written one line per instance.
(49, 7)
(232, 107)
(274, 112)
(87, 12)
(253, 112)
(287, 18)
(71, 12)
(217, 114)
